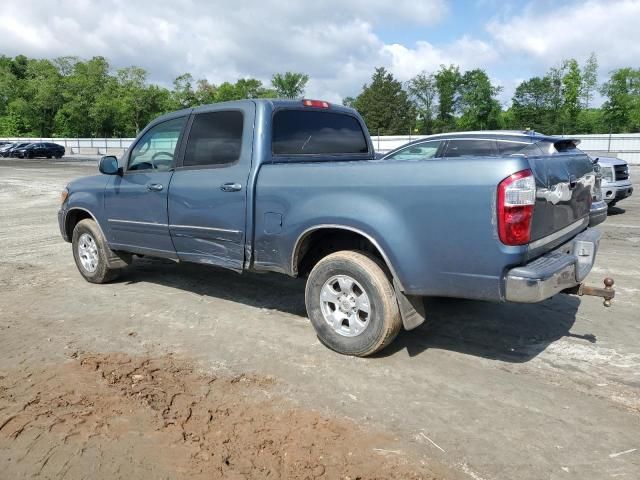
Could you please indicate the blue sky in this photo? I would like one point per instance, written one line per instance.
(337, 42)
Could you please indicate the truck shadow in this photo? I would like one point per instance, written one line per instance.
(507, 332)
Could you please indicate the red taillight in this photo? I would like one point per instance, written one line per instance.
(315, 103)
(516, 197)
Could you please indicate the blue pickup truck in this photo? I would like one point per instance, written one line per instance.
(293, 186)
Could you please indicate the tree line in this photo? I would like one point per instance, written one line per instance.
(561, 101)
(71, 97)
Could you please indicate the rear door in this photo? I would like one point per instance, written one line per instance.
(208, 192)
(136, 202)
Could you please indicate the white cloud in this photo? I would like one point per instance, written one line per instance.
(547, 35)
(336, 42)
(333, 41)
(466, 52)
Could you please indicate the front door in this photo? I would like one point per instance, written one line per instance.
(136, 201)
(208, 192)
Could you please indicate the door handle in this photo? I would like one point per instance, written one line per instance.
(230, 187)
(154, 187)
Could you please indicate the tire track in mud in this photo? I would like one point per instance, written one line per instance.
(116, 416)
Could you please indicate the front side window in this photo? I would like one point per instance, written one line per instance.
(308, 132)
(470, 148)
(156, 149)
(420, 151)
(215, 139)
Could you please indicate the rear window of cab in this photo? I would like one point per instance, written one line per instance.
(312, 132)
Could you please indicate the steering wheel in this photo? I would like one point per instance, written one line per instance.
(155, 156)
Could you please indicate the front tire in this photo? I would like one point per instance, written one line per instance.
(90, 252)
(352, 304)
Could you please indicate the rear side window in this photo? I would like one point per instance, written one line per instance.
(566, 146)
(509, 148)
(475, 148)
(307, 132)
(215, 139)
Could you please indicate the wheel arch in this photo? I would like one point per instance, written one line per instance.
(303, 249)
(75, 215)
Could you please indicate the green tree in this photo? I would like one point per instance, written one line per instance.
(589, 79)
(290, 84)
(448, 84)
(478, 104)
(385, 106)
(82, 82)
(622, 107)
(138, 103)
(349, 102)
(423, 91)
(571, 94)
(42, 89)
(182, 94)
(532, 105)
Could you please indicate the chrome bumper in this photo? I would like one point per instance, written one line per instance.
(617, 191)
(562, 268)
(598, 213)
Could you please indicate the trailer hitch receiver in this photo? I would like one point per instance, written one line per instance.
(607, 292)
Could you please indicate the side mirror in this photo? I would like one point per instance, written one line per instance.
(109, 165)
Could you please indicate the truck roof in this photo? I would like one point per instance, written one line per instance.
(274, 103)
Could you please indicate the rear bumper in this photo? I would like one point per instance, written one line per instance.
(598, 213)
(562, 268)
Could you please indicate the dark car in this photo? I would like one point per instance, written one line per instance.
(499, 143)
(42, 149)
(7, 150)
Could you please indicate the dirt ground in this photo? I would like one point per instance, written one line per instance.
(185, 371)
(114, 416)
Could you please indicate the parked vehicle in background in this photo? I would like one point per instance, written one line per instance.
(292, 186)
(4, 147)
(616, 184)
(501, 143)
(7, 150)
(40, 149)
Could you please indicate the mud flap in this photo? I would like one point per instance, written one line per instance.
(117, 259)
(411, 308)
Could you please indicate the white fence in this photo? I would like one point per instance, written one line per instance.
(83, 146)
(623, 145)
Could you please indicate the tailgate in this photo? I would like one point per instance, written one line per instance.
(564, 184)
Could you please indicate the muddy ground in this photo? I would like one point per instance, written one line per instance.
(184, 371)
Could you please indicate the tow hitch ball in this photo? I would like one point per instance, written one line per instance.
(607, 292)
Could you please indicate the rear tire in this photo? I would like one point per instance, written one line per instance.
(91, 253)
(352, 304)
